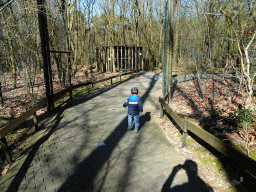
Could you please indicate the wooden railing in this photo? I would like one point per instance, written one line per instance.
(32, 111)
(238, 157)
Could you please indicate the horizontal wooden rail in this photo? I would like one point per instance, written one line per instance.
(58, 95)
(112, 77)
(16, 122)
(241, 159)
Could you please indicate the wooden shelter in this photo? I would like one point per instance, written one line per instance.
(119, 58)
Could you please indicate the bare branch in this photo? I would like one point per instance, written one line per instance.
(4, 5)
(249, 44)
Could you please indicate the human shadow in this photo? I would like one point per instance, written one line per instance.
(195, 183)
(143, 119)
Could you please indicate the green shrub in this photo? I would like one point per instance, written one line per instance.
(242, 118)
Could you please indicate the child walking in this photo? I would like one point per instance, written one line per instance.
(134, 104)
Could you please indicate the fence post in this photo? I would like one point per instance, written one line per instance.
(6, 151)
(70, 92)
(1, 96)
(185, 134)
(35, 121)
(161, 112)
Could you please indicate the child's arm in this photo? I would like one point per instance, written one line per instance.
(126, 103)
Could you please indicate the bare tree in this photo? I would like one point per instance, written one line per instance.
(241, 18)
(176, 36)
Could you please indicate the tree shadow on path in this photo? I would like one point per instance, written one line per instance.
(15, 184)
(32, 149)
(87, 171)
(195, 183)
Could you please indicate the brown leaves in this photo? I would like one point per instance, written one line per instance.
(187, 101)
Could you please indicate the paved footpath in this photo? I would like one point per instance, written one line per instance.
(86, 147)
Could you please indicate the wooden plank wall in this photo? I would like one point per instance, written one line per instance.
(119, 58)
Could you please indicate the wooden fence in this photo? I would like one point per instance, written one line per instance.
(32, 112)
(238, 157)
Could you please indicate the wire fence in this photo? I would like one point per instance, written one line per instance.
(209, 34)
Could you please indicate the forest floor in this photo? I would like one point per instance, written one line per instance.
(213, 113)
(215, 116)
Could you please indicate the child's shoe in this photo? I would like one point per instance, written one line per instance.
(136, 131)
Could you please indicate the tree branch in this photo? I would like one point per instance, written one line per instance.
(4, 5)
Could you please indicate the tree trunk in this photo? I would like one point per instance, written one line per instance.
(170, 48)
(176, 37)
(46, 55)
(13, 65)
(1, 96)
(161, 31)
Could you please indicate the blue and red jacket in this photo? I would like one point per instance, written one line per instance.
(134, 104)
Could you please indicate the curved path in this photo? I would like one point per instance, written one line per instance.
(86, 147)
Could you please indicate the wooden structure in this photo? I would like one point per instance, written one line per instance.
(119, 58)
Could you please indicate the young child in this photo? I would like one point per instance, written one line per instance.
(134, 104)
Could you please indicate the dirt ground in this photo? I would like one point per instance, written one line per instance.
(214, 112)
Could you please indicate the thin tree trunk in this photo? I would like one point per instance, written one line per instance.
(161, 31)
(1, 96)
(176, 37)
(46, 56)
(12, 63)
(170, 48)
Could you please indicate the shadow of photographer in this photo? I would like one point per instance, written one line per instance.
(195, 183)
